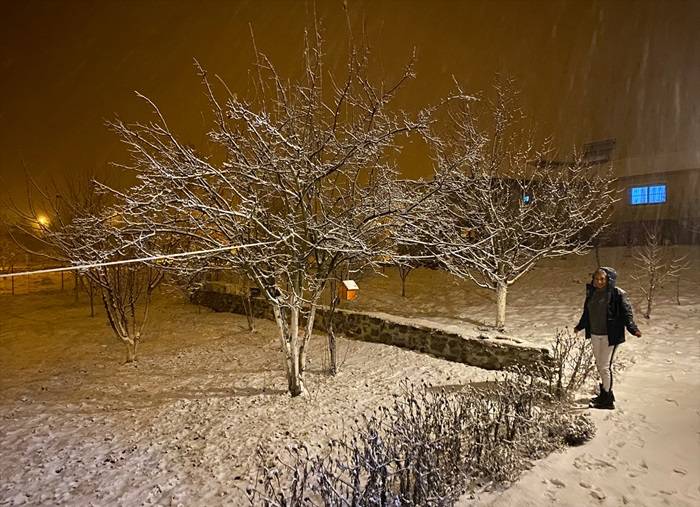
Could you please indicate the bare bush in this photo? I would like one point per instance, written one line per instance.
(426, 449)
(572, 365)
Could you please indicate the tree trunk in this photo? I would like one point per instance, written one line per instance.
(332, 346)
(308, 331)
(650, 301)
(248, 307)
(76, 286)
(403, 274)
(296, 379)
(501, 295)
(296, 375)
(289, 341)
(280, 320)
(650, 295)
(130, 350)
(92, 301)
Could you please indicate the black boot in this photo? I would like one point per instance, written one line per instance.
(607, 401)
(598, 397)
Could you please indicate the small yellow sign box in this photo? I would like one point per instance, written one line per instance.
(349, 290)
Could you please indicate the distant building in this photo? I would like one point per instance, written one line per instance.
(661, 191)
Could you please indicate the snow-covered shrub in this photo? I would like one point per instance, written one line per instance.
(427, 448)
(572, 364)
(578, 429)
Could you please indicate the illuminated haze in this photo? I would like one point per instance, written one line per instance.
(587, 70)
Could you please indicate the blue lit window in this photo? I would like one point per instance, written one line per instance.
(657, 194)
(650, 194)
(639, 195)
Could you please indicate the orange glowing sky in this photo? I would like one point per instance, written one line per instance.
(588, 70)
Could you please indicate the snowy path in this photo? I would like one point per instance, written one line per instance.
(646, 453)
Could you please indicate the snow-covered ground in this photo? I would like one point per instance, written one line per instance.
(181, 426)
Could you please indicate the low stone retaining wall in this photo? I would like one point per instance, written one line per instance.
(489, 352)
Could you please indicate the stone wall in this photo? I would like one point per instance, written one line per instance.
(492, 352)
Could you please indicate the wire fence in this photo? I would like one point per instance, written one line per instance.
(36, 283)
(33, 277)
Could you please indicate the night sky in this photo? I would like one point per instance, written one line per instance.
(587, 70)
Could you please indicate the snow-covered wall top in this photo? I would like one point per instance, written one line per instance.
(490, 351)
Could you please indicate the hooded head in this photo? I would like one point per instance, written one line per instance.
(604, 277)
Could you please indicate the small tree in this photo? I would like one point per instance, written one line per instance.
(75, 198)
(126, 289)
(511, 213)
(244, 288)
(415, 229)
(81, 231)
(681, 264)
(432, 229)
(654, 265)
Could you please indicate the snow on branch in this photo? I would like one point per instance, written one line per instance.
(503, 213)
(304, 170)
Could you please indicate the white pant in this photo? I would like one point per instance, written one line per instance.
(603, 354)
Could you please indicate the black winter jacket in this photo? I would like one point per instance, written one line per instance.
(619, 311)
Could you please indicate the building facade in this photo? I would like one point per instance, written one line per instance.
(659, 193)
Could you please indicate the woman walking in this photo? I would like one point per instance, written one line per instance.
(606, 313)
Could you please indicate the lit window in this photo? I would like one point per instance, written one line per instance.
(651, 194)
(657, 194)
(639, 195)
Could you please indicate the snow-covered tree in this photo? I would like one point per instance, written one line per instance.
(654, 265)
(425, 230)
(80, 229)
(301, 181)
(508, 209)
(126, 289)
